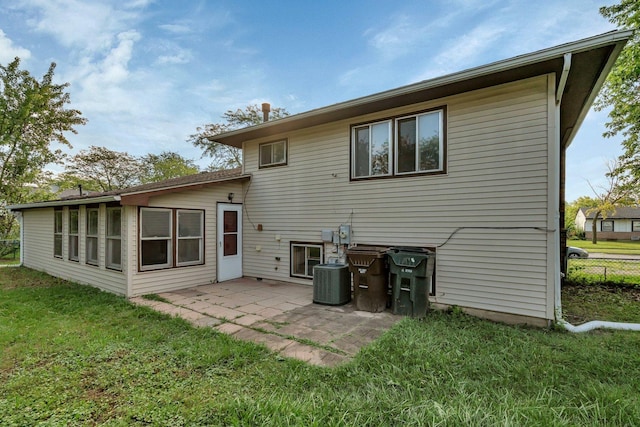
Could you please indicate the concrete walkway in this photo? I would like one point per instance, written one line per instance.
(282, 316)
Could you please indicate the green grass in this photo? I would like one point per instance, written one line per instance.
(608, 247)
(72, 355)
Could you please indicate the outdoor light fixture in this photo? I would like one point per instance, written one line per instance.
(230, 197)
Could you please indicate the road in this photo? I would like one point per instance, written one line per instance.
(613, 256)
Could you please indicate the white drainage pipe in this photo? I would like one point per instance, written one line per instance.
(599, 324)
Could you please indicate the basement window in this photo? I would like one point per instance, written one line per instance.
(303, 258)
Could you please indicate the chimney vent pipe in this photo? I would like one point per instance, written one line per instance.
(266, 109)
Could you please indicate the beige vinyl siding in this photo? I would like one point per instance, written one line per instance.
(38, 252)
(155, 281)
(497, 176)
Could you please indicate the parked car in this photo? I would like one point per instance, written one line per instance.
(573, 252)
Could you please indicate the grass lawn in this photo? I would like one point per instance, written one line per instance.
(72, 355)
(617, 247)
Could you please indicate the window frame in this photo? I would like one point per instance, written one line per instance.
(354, 149)
(200, 238)
(306, 245)
(173, 244)
(89, 236)
(271, 144)
(58, 228)
(394, 150)
(168, 239)
(110, 238)
(74, 236)
(633, 226)
(608, 221)
(416, 165)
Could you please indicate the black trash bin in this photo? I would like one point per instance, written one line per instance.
(411, 271)
(369, 267)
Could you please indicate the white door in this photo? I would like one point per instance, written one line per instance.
(229, 241)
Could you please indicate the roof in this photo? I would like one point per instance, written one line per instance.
(622, 212)
(590, 59)
(140, 194)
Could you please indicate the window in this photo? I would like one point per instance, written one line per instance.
(92, 237)
(418, 146)
(273, 153)
(73, 235)
(635, 226)
(113, 236)
(419, 143)
(57, 234)
(158, 246)
(155, 238)
(606, 225)
(303, 258)
(190, 237)
(371, 149)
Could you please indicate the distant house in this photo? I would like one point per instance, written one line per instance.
(624, 224)
(469, 164)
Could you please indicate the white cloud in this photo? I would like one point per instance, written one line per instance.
(8, 51)
(175, 28)
(88, 26)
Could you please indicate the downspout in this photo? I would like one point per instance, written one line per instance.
(595, 324)
(21, 225)
(556, 152)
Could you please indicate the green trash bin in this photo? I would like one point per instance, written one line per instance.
(411, 271)
(369, 267)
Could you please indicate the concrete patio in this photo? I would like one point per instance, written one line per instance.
(281, 316)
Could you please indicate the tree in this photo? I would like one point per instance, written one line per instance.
(224, 156)
(166, 165)
(571, 210)
(621, 90)
(33, 116)
(105, 169)
(620, 190)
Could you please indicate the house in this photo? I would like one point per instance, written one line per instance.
(469, 164)
(623, 224)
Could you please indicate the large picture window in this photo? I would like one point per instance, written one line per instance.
(401, 146)
(57, 234)
(91, 239)
(273, 153)
(303, 258)
(163, 247)
(606, 225)
(73, 235)
(113, 236)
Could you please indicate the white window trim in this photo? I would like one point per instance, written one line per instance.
(284, 142)
(75, 258)
(112, 237)
(309, 274)
(200, 238)
(56, 214)
(92, 236)
(440, 113)
(354, 144)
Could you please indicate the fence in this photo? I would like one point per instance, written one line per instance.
(595, 270)
(9, 249)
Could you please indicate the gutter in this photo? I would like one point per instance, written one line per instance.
(66, 202)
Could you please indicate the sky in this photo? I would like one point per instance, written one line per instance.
(147, 73)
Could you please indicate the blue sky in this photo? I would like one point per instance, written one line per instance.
(146, 73)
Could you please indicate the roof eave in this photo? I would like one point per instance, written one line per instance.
(454, 83)
(64, 202)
